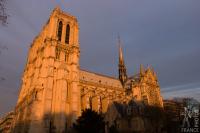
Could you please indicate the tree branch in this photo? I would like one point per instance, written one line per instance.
(3, 13)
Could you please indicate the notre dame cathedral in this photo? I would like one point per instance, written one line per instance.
(55, 89)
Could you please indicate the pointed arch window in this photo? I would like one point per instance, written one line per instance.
(60, 25)
(67, 34)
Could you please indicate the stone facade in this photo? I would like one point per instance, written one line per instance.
(54, 89)
(6, 122)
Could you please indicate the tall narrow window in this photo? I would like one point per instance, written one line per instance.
(67, 90)
(65, 57)
(57, 51)
(60, 25)
(67, 34)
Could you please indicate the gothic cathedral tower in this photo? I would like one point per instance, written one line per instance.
(49, 98)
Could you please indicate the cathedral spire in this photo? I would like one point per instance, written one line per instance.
(121, 65)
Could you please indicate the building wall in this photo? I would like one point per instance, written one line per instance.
(97, 90)
(49, 93)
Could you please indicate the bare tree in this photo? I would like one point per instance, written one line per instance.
(2, 48)
(3, 13)
(3, 21)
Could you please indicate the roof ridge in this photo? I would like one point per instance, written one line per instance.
(99, 74)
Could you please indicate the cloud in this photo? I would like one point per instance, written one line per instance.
(187, 90)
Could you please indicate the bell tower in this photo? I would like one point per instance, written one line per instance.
(49, 99)
(66, 98)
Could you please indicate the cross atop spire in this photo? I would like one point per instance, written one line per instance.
(121, 65)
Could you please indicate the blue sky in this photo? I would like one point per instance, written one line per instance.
(163, 34)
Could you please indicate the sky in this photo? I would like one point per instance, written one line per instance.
(161, 34)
